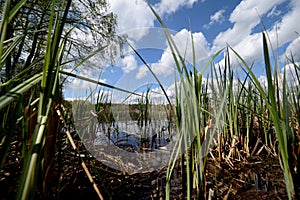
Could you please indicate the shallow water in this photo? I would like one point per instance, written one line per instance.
(134, 141)
(128, 147)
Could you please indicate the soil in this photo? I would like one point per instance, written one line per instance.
(258, 177)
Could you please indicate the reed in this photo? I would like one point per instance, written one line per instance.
(213, 111)
(279, 110)
(246, 112)
(47, 80)
(49, 90)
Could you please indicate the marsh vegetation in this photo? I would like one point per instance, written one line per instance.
(234, 136)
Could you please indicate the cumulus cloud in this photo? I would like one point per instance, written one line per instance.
(162, 69)
(142, 72)
(184, 44)
(242, 36)
(244, 18)
(288, 31)
(158, 96)
(132, 15)
(166, 65)
(171, 6)
(292, 51)
(76, 83)
(128, 63)
(218, 17)
(249, 43)
(76, 88)
(135, 19)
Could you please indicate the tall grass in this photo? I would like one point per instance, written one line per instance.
(49, 91)
(190, 120)
(48, 81)
(278, 107)
(239, 111)
(246, 112)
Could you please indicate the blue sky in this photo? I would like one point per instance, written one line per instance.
(214, 24)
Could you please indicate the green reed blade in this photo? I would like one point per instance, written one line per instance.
(17, 91)
(274, 112)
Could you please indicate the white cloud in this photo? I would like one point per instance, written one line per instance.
(134, 18)
(76, 83)
(288, 31)
(158, 96)
(142, 72)
(85, 37)
(166, 65)
(292, 50)
(184, 44)
(244, 18)
(218, 17)
(128, 63)
(248, 43)
(132, 15)
(162, 69)
(171, 6)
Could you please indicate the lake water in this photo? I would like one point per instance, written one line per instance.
(132, 148)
